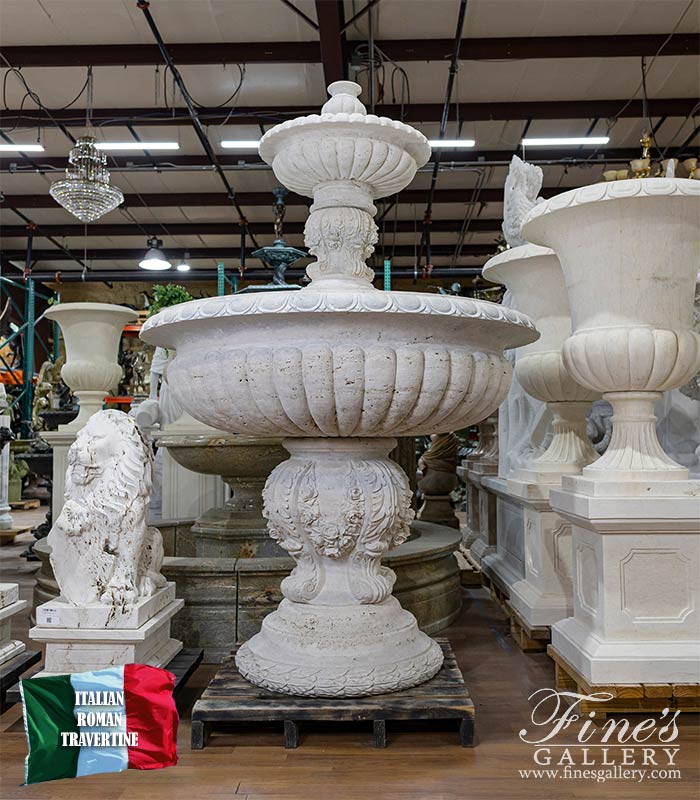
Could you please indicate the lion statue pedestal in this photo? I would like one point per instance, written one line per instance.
(115, 606)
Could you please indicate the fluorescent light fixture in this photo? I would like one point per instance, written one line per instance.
(137, 146)
(455, 143)
(155, 259)
(565, 140)
(183, 266)
(21, 148)
(240, 144)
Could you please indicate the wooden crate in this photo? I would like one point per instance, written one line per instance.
(627, 698)
(230, 698)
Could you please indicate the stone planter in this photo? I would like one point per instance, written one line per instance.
(339, 369)
(628, 251)
(91, 333)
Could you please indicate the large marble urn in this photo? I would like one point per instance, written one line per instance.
(91, 333)
(339, 369)
(534, 277)
(629, 253)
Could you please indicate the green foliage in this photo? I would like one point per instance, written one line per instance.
(169, 295)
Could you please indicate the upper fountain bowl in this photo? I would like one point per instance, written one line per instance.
(344, 143)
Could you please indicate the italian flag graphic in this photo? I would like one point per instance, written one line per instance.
(105, 721)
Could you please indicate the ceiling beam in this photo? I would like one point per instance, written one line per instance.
(203, 199)
(227, 229)
(214, 253)
(416, 112)
(332, 40)
(520, 47)
(563, 156)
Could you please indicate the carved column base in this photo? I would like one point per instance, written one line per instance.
(337, 506)
(339, 651)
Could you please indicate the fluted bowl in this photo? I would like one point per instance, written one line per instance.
(311, 363)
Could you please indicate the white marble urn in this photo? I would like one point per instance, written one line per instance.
(91, 333)
(534, 277)
(339, 369)
(629, 254)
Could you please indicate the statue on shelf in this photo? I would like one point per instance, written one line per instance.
(522, 185)
(101, 548)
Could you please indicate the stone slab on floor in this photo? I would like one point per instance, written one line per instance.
(230, 698)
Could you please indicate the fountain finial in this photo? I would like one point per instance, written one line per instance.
(344, 100)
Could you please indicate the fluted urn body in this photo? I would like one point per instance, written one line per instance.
(91, 333)
(339, 369)
(629, 254)
(534, 277)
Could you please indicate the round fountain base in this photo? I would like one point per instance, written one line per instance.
(339, 651)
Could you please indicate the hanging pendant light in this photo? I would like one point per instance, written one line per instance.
(85, 192)
(184, 266)
(279, 256)
(155, 259)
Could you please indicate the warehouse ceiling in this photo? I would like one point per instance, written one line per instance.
(550, 68)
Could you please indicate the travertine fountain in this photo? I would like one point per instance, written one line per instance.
(339, 369)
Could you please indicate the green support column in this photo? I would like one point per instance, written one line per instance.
(221, 279)
(387, 274)
(28, 362)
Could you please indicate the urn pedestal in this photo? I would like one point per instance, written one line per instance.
(543, 595)
(91, 334)
(628, 251)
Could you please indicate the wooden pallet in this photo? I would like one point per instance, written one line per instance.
(529, 640)
(230, 698)
(182, 666)
(627, 698)
(469, 574)
(9, 676)
(25, 505)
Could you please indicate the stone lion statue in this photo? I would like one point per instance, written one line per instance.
(102, 551)
(523, 183)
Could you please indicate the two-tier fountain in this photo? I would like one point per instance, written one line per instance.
(339, 369)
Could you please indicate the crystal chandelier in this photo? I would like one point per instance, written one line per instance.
(85, 192)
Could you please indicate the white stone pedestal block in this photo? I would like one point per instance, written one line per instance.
(82, 638)
(506, 566)
(484, 516)
(10, 604)
(544, 596)
(636, 566)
